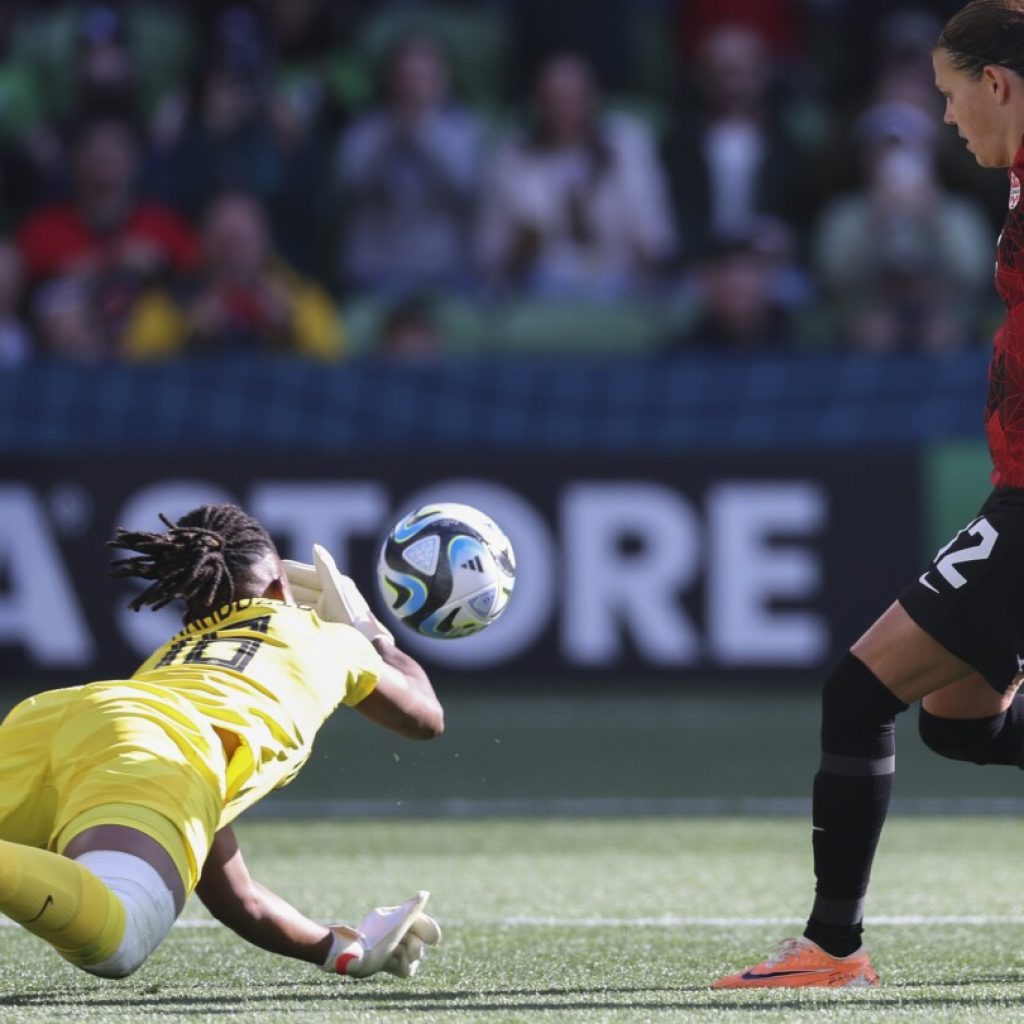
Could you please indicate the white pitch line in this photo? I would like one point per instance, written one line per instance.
(897, 920)
(893, 920)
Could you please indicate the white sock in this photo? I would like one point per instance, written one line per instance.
(148, 906)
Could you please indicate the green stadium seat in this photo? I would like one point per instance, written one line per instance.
(461, 323)
(576, 328)
(361, 318)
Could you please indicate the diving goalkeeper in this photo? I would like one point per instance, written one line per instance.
(117, 797)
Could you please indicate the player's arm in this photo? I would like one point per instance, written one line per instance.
(403, 699)
(252, 911)
(391, 939)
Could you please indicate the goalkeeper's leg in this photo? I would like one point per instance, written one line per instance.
(104, 905)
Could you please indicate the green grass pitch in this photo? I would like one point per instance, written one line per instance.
(587, 920)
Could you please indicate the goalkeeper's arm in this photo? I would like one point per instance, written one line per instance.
(391, 939)
(403, 700)
(254, 912)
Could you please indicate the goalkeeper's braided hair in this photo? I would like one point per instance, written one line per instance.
(204, 559)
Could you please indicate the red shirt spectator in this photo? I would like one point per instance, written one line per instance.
(57, 240)
(777, 21)
(105, 241)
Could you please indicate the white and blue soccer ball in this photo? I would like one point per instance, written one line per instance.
(446, 570)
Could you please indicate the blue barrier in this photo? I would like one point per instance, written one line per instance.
(687, 403)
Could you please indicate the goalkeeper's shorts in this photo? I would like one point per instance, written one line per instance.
(111, 754)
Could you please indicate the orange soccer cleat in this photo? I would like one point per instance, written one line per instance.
(800, 963)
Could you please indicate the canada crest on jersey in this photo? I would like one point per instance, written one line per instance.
(1014, 190)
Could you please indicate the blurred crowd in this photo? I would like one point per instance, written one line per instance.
(331, 178)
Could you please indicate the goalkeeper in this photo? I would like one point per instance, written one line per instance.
(116, 798)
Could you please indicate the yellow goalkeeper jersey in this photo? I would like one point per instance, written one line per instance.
(265, 675)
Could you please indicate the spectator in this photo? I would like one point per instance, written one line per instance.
(72, 45)
(901, 88)
(577, 207)
(89, 59)
(15, 343)
(859, 37)
(235, 130)
(600, 33)
(742, 309)
(105, 74)
(244, 299)
(903, 260)
(66, 321)
(411, 332)
(30, 152)
(104, 234)
(731, 158)
(408, 176)
(777, 22)
(309, 38)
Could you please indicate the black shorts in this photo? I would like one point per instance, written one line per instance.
(971, 599)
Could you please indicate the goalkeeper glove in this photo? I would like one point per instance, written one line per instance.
(391, 939)
(333, 596)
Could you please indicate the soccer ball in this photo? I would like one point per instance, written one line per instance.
(446, 570)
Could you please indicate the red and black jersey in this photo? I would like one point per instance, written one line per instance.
(1004, 409)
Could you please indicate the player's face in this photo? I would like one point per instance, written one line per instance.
(973, 108)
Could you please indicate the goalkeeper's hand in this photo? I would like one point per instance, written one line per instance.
(332, 595)
(391, 939)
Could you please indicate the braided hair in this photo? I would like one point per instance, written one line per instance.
(206, 559)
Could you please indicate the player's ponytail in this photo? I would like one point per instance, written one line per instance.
(986, 32)
(203, 559)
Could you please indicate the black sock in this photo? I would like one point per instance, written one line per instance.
(851, 799)
(998, 739)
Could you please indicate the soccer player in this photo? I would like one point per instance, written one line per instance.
(116, 798)
(954, 639)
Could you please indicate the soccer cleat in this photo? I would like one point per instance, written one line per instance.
(800, 963)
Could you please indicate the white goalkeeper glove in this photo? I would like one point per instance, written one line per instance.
(391, 939)
(333, 596)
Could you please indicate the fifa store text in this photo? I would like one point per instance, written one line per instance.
(668, 566)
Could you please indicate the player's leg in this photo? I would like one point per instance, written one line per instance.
(969, 721)
(75, 905)
(959, 620)
(894, 663)
(137, 806)
(104, 904)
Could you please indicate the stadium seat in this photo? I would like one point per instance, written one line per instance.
(655, 62)
(575, 328)
(461, 323)
(361, 318)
